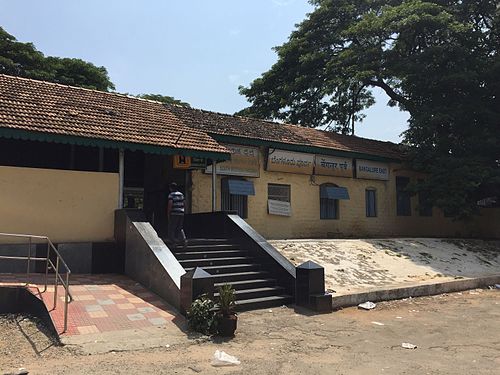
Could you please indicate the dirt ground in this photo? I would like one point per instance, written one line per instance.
(455, 334)
(360, 264)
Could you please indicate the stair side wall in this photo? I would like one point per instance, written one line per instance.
(147, 259)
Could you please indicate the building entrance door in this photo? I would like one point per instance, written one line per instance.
(159, 173)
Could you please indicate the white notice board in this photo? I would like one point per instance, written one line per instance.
(279, 208)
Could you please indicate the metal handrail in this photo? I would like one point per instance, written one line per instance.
(64, 280)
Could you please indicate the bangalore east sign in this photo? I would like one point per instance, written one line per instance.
(372, 170)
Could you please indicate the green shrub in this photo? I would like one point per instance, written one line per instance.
(201, 315)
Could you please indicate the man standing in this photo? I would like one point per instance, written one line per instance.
(175, 212)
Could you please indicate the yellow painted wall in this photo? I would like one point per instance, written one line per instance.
(66, 206)
(305, 221)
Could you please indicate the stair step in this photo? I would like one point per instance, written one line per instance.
(205, 247)
(229, 278)
(244, 294)
(263, 303)
(204, 262)
(208, 241)
(210, 254)
(248, 284)
(230, 263)
(231, 268)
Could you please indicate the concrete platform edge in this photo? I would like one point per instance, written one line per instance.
(413, 291)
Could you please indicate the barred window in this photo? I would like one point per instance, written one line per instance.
(403, 201)
(233, 202)
(328, 208)
(371, 202)
(424, 203)
(278, 192)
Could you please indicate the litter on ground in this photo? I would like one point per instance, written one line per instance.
(221, 358)
(367, 305)
(407, 345)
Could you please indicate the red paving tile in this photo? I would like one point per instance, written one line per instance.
(101, 303)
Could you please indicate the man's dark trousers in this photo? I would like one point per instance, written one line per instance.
(175, 229)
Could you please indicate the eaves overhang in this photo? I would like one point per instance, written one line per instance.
(301, 148)
(107, 143)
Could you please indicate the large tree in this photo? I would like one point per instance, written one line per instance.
(24, 60)
(437, 59)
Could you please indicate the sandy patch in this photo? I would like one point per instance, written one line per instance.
(354, 265)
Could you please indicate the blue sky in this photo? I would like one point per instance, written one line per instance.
(195, 50)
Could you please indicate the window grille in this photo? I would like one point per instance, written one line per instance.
(329, 208)
(403, 201)
(371, 202)
(278, 192)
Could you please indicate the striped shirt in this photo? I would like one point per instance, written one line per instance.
(177, 199)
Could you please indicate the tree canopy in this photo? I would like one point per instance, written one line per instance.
(24, 60)
(437, 59)
(164, 99)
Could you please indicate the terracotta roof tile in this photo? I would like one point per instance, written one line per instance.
(320, 138)
(39, 106)
(223, 124)
(64, 110)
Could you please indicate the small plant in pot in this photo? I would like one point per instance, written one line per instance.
(227, 320)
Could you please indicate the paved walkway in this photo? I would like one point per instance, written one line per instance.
(101, 303)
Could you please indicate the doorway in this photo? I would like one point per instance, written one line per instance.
(158, 174)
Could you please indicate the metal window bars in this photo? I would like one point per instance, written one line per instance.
(60, 277)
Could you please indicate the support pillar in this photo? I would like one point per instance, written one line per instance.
(214, 184)
(121, 172)
(101, 159)
(72, 157)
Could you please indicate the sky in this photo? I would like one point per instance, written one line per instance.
(195, 50)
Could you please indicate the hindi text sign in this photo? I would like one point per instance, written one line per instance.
(332, 166)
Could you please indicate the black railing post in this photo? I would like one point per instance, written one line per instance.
(310, 287)
(193, 284)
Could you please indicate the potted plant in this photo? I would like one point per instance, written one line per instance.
(228, 320)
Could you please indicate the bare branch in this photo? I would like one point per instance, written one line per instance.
(391, 93)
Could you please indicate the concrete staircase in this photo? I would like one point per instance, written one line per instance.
(229, 263)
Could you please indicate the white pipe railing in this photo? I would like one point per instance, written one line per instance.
(49, 264)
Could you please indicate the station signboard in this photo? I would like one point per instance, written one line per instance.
(333, 166)
(244, 162)
(372, 170)
(290, 161)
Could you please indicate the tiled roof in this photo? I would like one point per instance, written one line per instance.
(325, 139)
(244, 127)
(55, 109)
